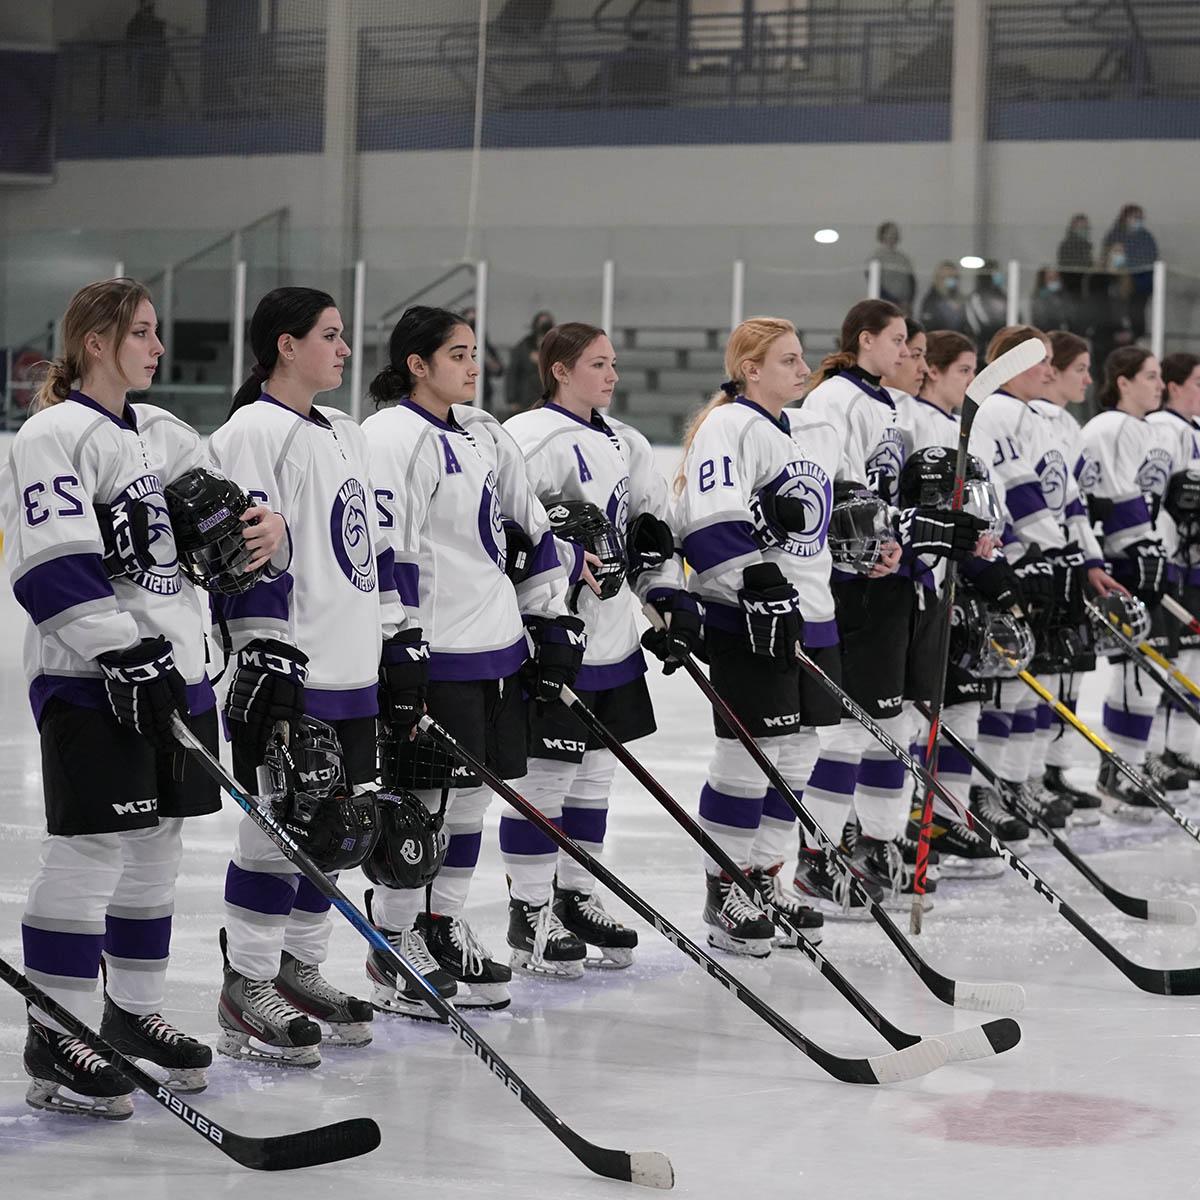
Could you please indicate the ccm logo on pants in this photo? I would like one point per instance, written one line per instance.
(135, 806)
(567, 744)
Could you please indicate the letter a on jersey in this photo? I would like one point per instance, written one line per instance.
(452, 463)
(585, 476)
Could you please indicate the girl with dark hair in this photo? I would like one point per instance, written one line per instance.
(476, 577)
(883, 619)
(574, 451)
(114, 651)
(1126, 466)
(303, 642)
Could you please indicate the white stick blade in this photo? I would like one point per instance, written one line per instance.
(1171, 912)
(1005, 998)
(1011, 363)
(648, 1168)
(925, 1056)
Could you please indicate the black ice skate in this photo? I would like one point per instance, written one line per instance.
(541, 944)
(1166, 775)
(736, 925)
(390, 993)
(1010, 829)
(1086, 804)
(1187, 765)
(881, 862)
(482, 982)
(259, 1025)
(67, 1076)
(154, 1040)
(584, 915)
(1121, 799)
(801, 916)
(962, 853)
(348, 1018)
(825, 880)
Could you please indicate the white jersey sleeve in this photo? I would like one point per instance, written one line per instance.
(1122, 465)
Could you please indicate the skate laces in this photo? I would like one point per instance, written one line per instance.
(309, 977)
(410, 944)
(80, 1055)
(263, 994)
(155, 1027)
(594, 910)
(738, 906)
(469, 946)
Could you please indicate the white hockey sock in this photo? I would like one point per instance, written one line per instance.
(585, 816)
(527, 852)
(464, 824)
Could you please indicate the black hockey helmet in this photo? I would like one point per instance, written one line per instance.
(580, 521)
(927, 481)
(411, 846)
(858, 527)
(1182, 500)
(969, 630)
(335, 827)
(1009, 649)
(1129, 612)
(206, 511)
(419, 763)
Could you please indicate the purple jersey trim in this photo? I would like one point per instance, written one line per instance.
(269, 598)
(1025, 500)
(611, 675)
(719, 543)
(479, 664)
(1127, 514)
(729, 619)
(62, 583)
(334, 704)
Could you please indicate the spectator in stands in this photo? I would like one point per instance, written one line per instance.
(1052, 308)
(146, 34)
(897, 282)
(1111, 317)
(942, 307)
(1140, 252)
(523, 386)
(987, 306)
(493, 364)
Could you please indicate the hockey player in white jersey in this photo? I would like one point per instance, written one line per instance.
(304, 643)
(446, 476)
(114, 650)
(886, 623)
(1179, 414)
(754, 500)
(574, 452)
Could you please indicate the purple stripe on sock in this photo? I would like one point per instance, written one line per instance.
(73, 954)
(128, 937)
(738, 812)
(260, 892)
(309, 899)
(953, 762)
(585, 824)
(830, 775)
(520, 837)
(463, 850)
(1043, 716)
(1024, 721)
(775, 807)
(993, 724)
(1130, 725)
(885, 774)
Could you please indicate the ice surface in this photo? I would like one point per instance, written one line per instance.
(1098, 1100)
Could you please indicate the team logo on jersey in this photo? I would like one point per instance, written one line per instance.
(1154, 472)
(491, 523)
(617, 508)
(1088, 473)
(350, 533)
(885, 463)
(807, 482)
(161, 576)
(1052, 475)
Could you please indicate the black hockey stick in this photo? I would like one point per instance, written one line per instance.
(983, 997)
(995, 375)
(649, 1168)
(962, 1045)
(918, 1059)
(1167, 912)
(1184, 981)
(285, 1152)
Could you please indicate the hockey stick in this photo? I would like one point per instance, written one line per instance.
(284, 1152)
(962, 1045)
(1184, 981)
(919, 1059)
(648, 1168)
(994, 375)
(1168, 912)
(1180, 613)
(1005, 998)
(1139, 781)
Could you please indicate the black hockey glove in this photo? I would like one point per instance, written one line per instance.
(681, 635)
(518, 552)
(145, 690)
(403, 680)
(1036, 574)
(1067, 565)
(267, 686)
(125, 532)
(558, 647)
(996, 581)
(1147, 572)
(649, 543)
(940, 533)
(774, 623)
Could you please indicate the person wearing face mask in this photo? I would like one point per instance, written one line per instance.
(942, 306)
(1125, 471)
(1052, 307)
(987, 306)
(522, 384)
(1139, 250)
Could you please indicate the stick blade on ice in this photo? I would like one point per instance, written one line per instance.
(1011, 363)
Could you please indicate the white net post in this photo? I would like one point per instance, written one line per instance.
(166, 324)
(607, 287)
(1158, 309)
(737, 307)
(481, 270)
(118, 270)
(874, 279)
(357, 348)
(1013, 296)
(238, 330)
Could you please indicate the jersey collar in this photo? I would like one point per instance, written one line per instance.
(782, 422)
(598, 423)
(127, 420)
(314, 417)
(941, 412)
(452, 425)
(868, 383)
(1180, 417)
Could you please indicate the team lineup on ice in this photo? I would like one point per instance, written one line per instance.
(891, 672)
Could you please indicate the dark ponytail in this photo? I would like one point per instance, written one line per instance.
(867, 316)
(1124, 363)
(422, 331)
(291, 310)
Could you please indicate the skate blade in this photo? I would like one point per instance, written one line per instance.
(1129, 814)
(903, 904)
(346, 1034)
(974, 868)
(247, 1049)
(610, 958)
(788, 941)
(387, 1000)
(746, 947)
(187, 1080)
(523, 961)
(483, 997)
(49, 1096)
(1084, 818)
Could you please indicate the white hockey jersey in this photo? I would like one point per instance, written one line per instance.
(1128, 462)
(1067, 434)
(313, 471)
(442, 489)
(64, 460)
(1182, 437)
(739, 452)
(924, 424)
(611, 465)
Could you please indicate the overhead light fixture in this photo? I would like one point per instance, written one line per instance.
(972, 262)
(826, 236)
